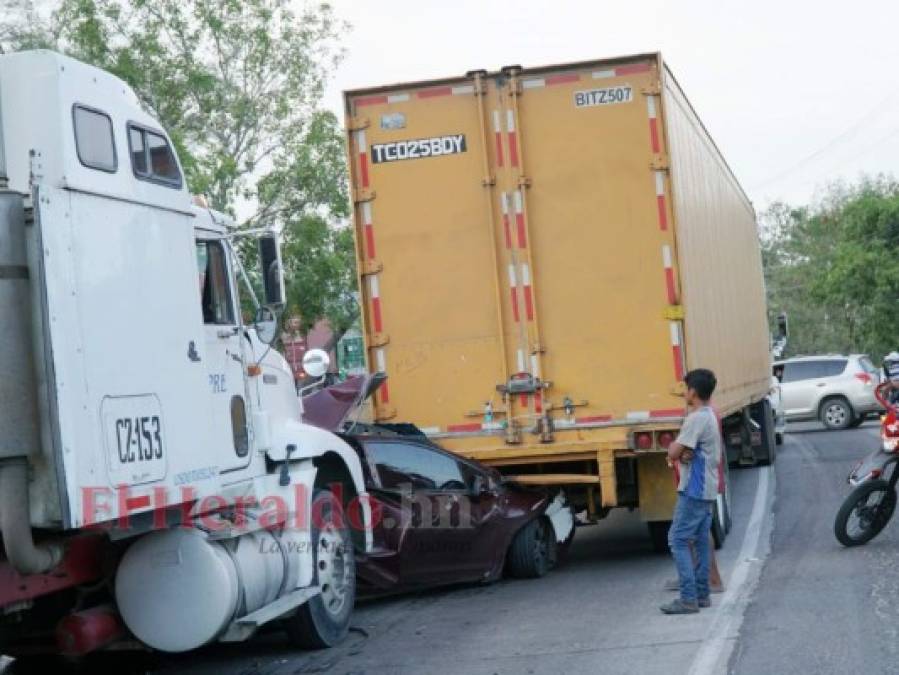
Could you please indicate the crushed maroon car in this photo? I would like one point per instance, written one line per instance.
(439, 518)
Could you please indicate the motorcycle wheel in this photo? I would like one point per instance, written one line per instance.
(864, 513)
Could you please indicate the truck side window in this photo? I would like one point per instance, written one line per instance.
(215, 289)
(152, 158)
(94, 142)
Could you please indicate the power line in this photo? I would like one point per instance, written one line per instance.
(847, 133)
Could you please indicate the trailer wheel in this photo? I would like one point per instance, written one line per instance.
(719, 519)
(765, 419)
(533, 550)
(325, 619)
(658, 534)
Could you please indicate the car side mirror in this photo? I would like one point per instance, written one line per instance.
(272, 272)
(316, 363)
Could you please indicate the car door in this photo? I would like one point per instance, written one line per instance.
(435, 539)
(224, 356)
(798, 387)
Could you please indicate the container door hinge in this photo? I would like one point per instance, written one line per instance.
(674, 313)
(370, 267)
(524, 182)
(385, 412)
(659, 163)
(357, 123)
(378, 339)
(488, 181)
(360, 196)
(653, 89)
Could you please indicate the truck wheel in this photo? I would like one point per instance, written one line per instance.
(836, 413)
(658, 534)
(779, 438)
(325, 619)
(719, 518)
(532, 550)
(765, 417)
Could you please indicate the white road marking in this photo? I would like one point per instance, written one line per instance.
(720, 640)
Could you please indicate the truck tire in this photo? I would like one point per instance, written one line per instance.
(719, 520)
(658, 534)
(836, 413)
(763, 415)
(325, 619)
(532, 551)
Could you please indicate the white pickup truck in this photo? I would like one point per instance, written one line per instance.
(157, 482)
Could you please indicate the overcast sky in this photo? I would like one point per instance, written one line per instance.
(795, 93)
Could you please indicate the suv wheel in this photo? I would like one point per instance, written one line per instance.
(836, 413)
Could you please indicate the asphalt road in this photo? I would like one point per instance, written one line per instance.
(819, 607)
(808, 606)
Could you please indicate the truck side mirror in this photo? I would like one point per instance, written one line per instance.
(266, 325)
(782, 329)
(272, 273)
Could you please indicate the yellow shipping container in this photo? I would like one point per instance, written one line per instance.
(542, 253)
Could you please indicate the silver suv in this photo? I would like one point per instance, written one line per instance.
(838, 390)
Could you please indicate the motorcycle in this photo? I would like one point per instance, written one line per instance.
(869, 507)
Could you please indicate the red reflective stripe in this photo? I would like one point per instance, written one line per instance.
(473, 426)
(513, 149)
(376, 314)
(528, 303)
(370, 240)
(635, 68)
(591, 419)
(538, 402)
(523, 400)
(562, 79)
(678, 356)
(142, 502)
(363, 168)
(522, 235)
(384, 392)
(370, 100)
(515, 313)
(667, 412)
(663, 212)
(669, 284)
(499, 148)
(436, 91)
(654, 134)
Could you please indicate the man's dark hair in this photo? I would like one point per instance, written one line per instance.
(702, 381)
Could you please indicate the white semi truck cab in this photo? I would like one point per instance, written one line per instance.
(150, 437)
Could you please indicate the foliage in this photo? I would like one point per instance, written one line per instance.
(833, 268)
(237, 84)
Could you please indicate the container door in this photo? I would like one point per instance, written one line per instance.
(426, 229)
(595, 248)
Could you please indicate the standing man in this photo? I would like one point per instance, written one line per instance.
(698, 449)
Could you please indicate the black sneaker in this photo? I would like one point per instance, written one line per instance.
(704, 602)
(678, 606)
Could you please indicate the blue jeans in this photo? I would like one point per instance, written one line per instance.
(692, 523)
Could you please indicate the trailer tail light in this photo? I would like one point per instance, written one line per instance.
(665, 438)
(865, 379)
(643, 440)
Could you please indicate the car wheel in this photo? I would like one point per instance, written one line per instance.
(857, 422)
(533, 550)
(836, 414)
(325, 619)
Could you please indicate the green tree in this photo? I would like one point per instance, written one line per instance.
(832, 267)
(237, 84)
